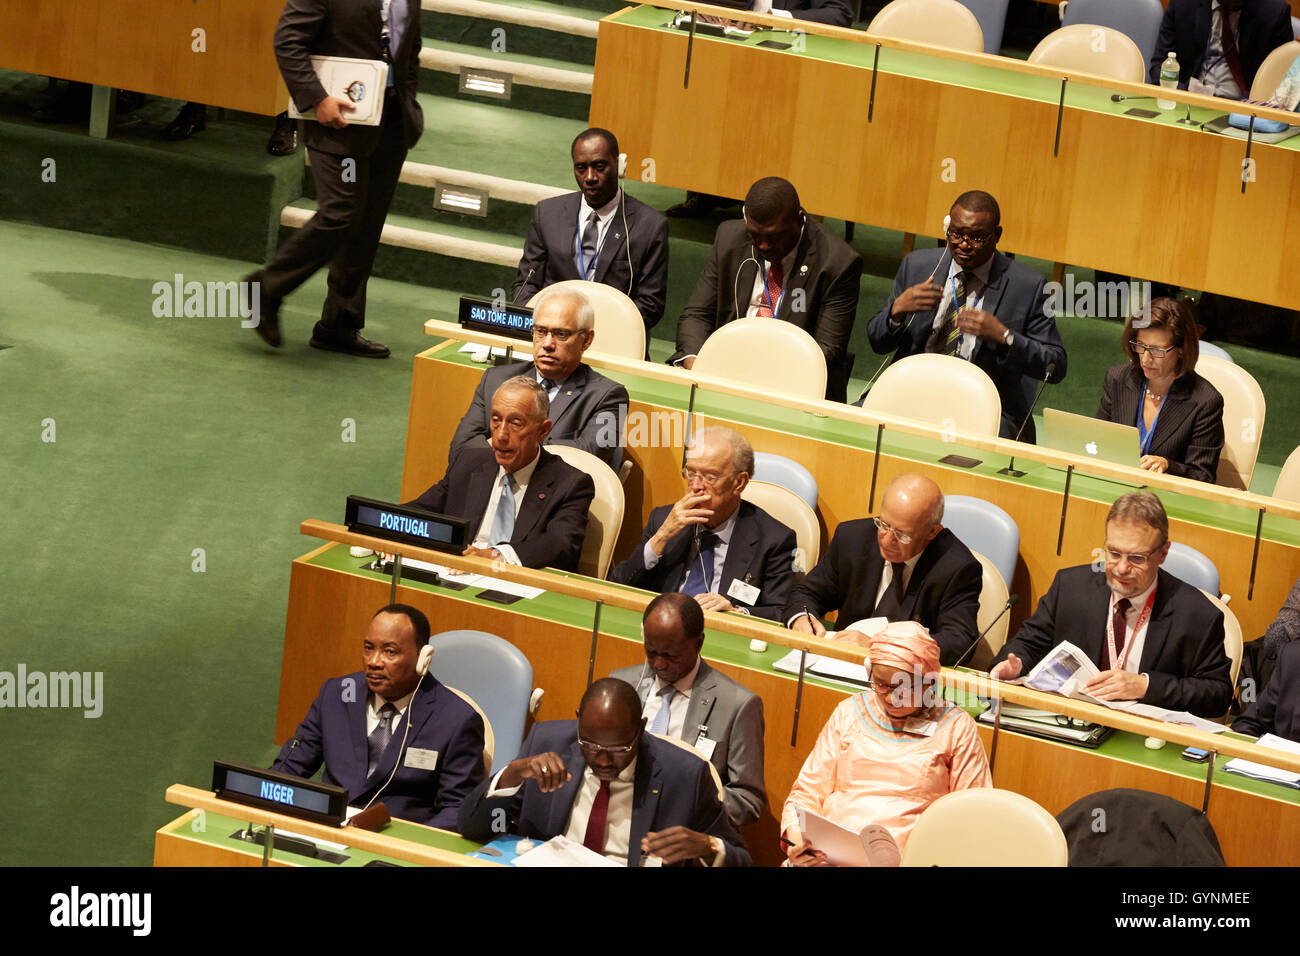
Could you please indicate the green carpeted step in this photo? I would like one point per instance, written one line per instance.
(538, 84)
(505, 28)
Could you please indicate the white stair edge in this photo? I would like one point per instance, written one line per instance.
(409, 238)
(507, 190)
(556, 22)
(545, 77)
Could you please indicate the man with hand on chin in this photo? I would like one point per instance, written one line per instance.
(1156, 640)
(523, 504)
(603, 782)
(728, 554)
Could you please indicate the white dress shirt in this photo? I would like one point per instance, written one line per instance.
(887, 576)
(1133, 646)
(976, 282)
(677, 708)
(604, 215)
(757, 295)
(375, 703)
(1216, 77)
(723, 533)
(522, 477)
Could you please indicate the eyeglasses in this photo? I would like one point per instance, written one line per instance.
(616, 751)
(709, 481)
(958, 238)
(561, 336)
(901, 537)
(1134, 560)
(1141, 349)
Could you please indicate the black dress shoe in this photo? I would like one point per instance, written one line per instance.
(70, 105)
(698, 205)
(193, 118)
(284, 138)
(268, 312)
(350, 343)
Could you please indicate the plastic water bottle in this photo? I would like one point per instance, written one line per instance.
(1168, 79)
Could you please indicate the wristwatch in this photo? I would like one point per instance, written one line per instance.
(1008, 338)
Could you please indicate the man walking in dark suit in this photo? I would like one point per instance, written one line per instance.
(1156, 640)
(599, 233)
(967, 299)
(587, 409)
(903, 565)
(1220, 44)
(778, 263)
(355, 168)
(523, 504)
(391, 732)
(603, 782)
(728, 554)
(684, 698)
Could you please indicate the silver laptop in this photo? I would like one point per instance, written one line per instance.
(1090, 437)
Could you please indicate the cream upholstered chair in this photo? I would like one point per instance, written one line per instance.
(1243, 419)
(983, 826)
(489, 741)
(1089, 48)
(1288, 479)
(944, 23)
(1271, 71)
(606, 514)
(793, 512)
(1232, 639)
(620, 330)
(940, 389)
(768, 353)
(993, 598)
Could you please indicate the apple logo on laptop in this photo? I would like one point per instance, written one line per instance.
(1091, 448)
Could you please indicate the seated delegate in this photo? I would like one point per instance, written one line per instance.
(1178, 414)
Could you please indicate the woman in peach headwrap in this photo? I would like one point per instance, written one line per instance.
(887, 753)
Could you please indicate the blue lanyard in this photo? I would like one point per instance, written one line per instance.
(1144, 436)
(584, 270)
(768, 294)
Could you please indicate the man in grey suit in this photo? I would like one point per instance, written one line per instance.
(587, 409)
(967, 299)
(688, 700)
(599, 233)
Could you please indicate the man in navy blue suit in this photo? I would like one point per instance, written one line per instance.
(392, 715)
(603, 782)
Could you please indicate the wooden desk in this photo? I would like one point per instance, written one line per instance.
(331, 599)
(838, 445)
(147, 46)
(1123, 194)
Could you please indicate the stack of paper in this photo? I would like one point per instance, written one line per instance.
(1259, 771)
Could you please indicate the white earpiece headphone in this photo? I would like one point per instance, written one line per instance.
(422, 662)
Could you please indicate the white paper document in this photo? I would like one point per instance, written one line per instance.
(360, 82)
(1249, 768)
(480, 353)
(831, 668)
(561, 851)
(842, 846)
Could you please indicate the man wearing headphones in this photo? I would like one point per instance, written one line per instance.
(777, 263)
(423, 743)
(600, 234)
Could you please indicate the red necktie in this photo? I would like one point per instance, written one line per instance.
(773, 297)
(1229, 44)
(595, 838)
(1119, 623)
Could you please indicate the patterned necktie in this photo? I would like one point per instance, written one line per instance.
(775, 278)
(891, 602)
(948, 344)
(587, 260)
(377, 742)
(666, 695)
(594, 840)
(552, 388)
(1119, 622)
(701, 569)
(503, 524)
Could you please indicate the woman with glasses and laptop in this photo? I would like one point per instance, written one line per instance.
(1178, 414)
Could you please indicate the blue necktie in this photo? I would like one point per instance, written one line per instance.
(701, 569)
(503, 524)
(666, 695)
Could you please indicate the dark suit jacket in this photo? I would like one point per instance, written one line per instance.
(1189, 431)
(548, 253)
(334, 732)
(1277, 711)
(760, 552)
(826, 270)
(1183, 652)
(732, 717)
(587, 413)
(1263, 27)
(1016, 295)
(835, 12)
(672, 787)
(552, 519)
(943, 593)
(346, 28)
